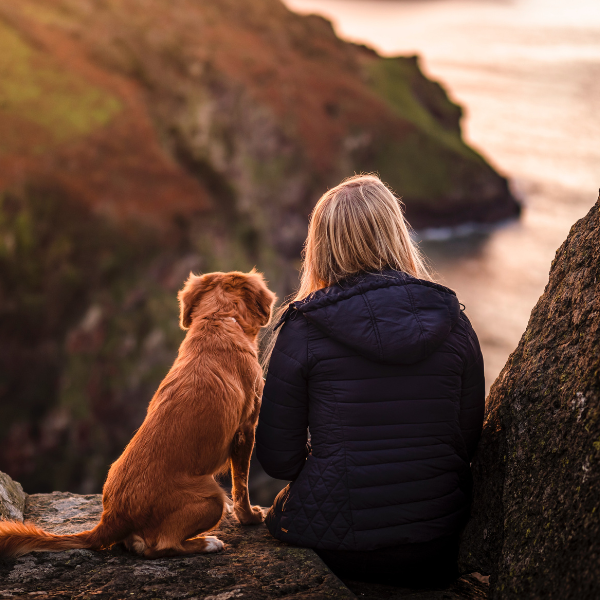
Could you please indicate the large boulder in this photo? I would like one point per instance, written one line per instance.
(535, 523)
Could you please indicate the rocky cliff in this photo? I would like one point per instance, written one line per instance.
(535, 524)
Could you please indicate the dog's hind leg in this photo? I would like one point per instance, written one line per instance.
(176, 534)
(199, 545)
(203, 545)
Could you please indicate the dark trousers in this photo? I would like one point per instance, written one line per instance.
(429, 564)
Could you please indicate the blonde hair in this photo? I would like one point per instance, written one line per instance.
(356, 227)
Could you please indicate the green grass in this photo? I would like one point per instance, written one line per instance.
(34, 88)
(391, 80)
(432, 160)
(416, 167)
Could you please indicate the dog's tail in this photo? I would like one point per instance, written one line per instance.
(17, 539)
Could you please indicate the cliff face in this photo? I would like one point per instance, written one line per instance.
(88, 327)
(535, 523)
(143, 139)
(154, 109)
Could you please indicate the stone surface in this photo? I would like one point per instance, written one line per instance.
(253, 566)
(12, 499)
(535, 523)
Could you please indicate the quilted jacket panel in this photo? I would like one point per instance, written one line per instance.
(385, 374)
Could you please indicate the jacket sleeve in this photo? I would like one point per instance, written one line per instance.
(472, 400)
(281, 437)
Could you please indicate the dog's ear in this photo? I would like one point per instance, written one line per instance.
(189, 297)
(260, 298)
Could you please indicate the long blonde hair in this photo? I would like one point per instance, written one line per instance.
(356, 227)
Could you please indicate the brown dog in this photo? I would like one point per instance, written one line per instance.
(160, 494)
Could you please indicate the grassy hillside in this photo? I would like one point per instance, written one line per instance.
(176, 108)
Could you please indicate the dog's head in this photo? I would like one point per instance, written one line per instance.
(244, 295)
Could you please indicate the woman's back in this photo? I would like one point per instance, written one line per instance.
(388, 373)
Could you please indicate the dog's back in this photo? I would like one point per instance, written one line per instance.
(194, 414)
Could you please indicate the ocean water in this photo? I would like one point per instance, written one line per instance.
(527, 73)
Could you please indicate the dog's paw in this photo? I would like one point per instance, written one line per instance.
(213, 544)
(254, 517)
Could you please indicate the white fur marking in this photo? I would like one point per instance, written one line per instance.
(213, 544)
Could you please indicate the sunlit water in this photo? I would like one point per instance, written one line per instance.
(528, 74)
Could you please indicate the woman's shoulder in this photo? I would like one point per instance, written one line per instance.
(464, 327)
(468, 343)
(292, 338)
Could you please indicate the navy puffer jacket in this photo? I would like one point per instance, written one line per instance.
(386, 371)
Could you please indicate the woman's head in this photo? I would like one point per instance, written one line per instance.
(357, 227)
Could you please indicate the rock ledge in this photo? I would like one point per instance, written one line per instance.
(253, 565)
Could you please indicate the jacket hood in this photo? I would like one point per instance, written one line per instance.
(388, 317)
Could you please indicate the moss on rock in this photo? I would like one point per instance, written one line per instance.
(37, 89)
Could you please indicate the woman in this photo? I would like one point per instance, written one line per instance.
(384, 368)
